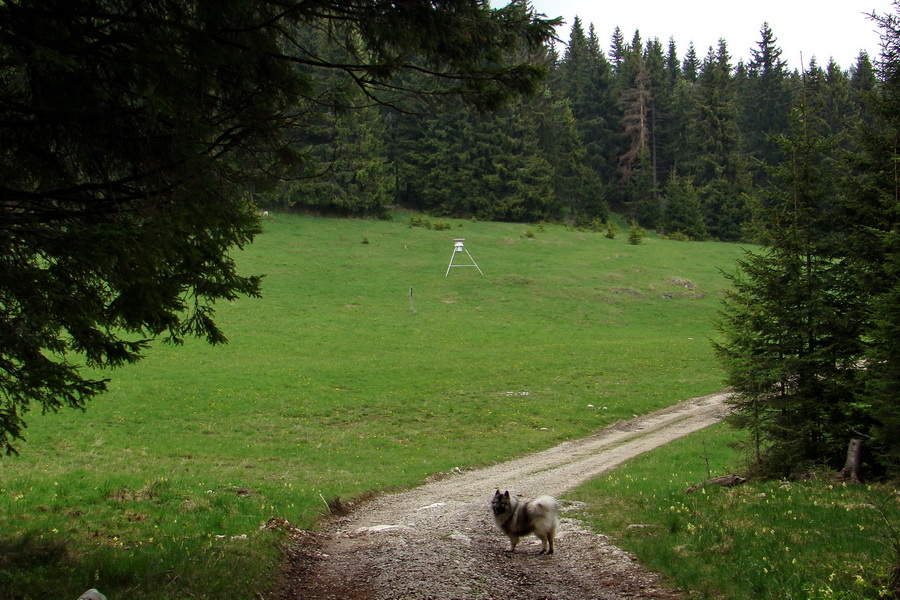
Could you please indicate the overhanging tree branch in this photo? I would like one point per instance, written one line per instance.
(132, 130)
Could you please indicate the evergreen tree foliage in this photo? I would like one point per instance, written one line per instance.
(792, 322)
(812, 325)
(524, 163)
(573, 76)
(632, 62)
(863, 84)
(344, 168)
(585, 78)
(691, 65)
(636, 234)
(349, 149)
(839, 108)
(673, 67)
(578, 191)
(643, 193)
(617, 49)
(664, 73)
(874, 209)
(764, 103)
(705, 120)
(515, 177)
(674, 127)
(716, 160)
(683, 213)
(132, 131)
(489, 166)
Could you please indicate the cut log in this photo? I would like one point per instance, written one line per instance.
(724, 481)
(852, 470)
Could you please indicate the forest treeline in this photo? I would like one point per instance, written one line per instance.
(680, 143)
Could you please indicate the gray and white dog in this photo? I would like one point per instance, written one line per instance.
(518, 518)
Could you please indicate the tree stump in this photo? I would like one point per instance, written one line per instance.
(852, 470)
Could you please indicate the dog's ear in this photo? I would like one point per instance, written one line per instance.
(497, 493)
(506, 494)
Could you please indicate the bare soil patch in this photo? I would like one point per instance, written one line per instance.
(438, 541)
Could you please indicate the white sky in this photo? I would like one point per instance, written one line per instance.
(807, 28)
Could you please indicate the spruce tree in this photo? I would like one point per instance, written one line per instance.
(585, 78)
(643, 193)
(691, 66)
(579, 192)
(839, 108)
(765, 104)
(862, 75)
(874, 249)
(863, 84)
(682, 212)
(715, 159)
(573, 73)
(792, 322)
(617, 49)
(674, 124)
(345, 170)
(636, 234)
(673, 67)
(514, 177)
(491, 166)
(666, 118)
(632, 63)
(428, 165)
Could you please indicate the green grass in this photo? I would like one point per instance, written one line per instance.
(814, 539)
(335, 384)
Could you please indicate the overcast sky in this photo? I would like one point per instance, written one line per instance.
(807, 28)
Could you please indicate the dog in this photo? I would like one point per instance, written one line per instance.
(518, 518)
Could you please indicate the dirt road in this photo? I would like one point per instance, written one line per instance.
(439, 542)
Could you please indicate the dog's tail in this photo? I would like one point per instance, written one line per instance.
(546, 503)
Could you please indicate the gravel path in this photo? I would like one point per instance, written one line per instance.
(438, 541)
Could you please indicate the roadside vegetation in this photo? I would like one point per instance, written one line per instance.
(814, 538)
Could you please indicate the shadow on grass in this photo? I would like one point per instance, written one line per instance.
(35, 567)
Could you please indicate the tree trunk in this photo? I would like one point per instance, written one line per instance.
(853, 467)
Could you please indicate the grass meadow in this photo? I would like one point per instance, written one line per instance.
(362, 369)
(809, 540)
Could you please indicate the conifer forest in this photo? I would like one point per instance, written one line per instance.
(679, 141)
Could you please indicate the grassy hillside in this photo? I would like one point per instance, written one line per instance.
(363, 368)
